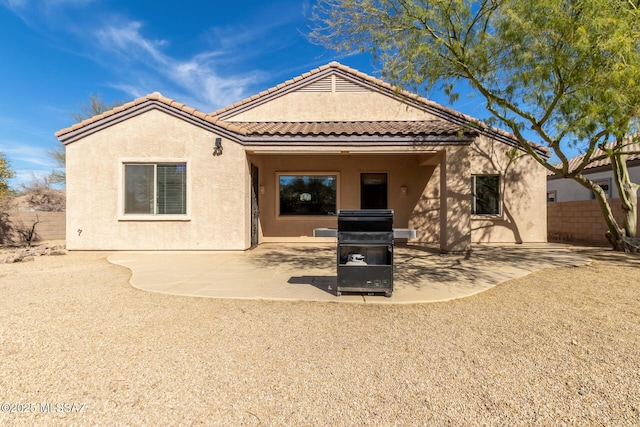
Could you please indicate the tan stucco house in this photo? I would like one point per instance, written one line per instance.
(155, 174)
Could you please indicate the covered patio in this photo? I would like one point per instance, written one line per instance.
(307, 272)
(403, 179)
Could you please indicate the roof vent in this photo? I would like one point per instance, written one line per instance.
(322, 85)
(334, 84)
(344, 85)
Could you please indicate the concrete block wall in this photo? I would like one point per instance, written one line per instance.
(579, 221)
(52, 225)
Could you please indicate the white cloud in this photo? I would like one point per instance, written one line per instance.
(199, 75)
(40, 6)
(146, 64)
(14, 4)
(36, 13)
(27, 162)
(25, 155)
(125, 40)
(25, 176)
(132, 90)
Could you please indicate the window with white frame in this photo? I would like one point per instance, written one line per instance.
(155, 188)
(485, 191)
(307, 194)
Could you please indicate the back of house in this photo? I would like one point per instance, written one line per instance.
(155, 174)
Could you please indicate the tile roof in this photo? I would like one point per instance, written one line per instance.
(157, 97)
(360, 128)
(457, 121)
(574, 162)
(434, 107)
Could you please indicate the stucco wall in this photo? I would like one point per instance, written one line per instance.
(304, 106)
(403, 170)
(216, 192)
(436, 203)
(523, 217)
(438, 199)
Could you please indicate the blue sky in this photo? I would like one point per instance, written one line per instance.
(206, 54)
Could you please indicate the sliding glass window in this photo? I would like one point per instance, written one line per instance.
(155, 189)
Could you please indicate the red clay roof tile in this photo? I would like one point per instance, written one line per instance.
(632, 147)
(380, 83)
(423, 127)
(155, 96)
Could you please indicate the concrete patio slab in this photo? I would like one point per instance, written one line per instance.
(307, 272)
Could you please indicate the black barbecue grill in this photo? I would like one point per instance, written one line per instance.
(365, 251)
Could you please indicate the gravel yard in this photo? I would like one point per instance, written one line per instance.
(558, 347)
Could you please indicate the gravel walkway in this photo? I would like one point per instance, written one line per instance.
(558, 347)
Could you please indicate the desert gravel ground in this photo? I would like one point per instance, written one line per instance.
(558, 347)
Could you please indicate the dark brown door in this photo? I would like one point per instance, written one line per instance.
(373, 190)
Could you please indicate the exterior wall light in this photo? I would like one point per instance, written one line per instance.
(217, 148)
(403, 190)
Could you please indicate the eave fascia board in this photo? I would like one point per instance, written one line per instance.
(144, 107)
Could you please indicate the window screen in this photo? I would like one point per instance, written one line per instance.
(155, 189)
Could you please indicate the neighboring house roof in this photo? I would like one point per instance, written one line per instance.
(450, 126)
(633, 159)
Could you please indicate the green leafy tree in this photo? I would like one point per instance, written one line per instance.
(58, 175)
(6, 173)
(96, 105)
(569, 70)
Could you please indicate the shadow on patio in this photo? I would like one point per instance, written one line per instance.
(308, 272)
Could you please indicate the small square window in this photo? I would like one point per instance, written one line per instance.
(605, 184)
(485, 190)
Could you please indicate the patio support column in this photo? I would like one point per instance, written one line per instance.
(455, 200)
